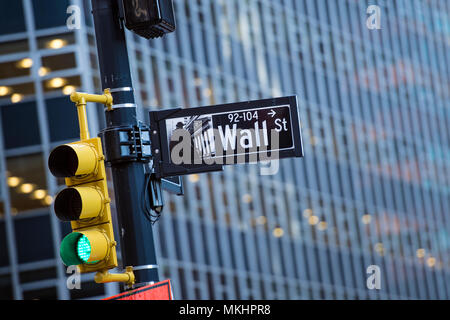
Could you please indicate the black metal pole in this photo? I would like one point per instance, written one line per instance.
(136, 235)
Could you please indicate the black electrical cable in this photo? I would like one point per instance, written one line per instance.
(148, 211)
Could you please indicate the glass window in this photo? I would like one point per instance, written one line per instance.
(18, 68)
(33, 238)
(62, 118)
(97, 84)
(14, 46)
(57, 62)
(6, 290)
(4, 258)
(56, 41)
(37, 274)
(11, 17)
(20, 125)
(66, 228)
(94, 61)
(41, 294)
(27, 184)
(66, 85)
(50, 13)
(15, 93)
(90, 289)
(91, 41)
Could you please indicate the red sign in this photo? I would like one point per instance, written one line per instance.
(157, 291)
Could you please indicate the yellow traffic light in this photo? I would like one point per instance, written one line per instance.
(85, 203)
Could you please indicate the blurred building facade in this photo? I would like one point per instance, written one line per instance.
(373, 188)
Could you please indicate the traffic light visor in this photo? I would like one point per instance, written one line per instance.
(73, 159)
(78, 203)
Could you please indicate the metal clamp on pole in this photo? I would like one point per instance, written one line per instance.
(127, 143)
(80, 99)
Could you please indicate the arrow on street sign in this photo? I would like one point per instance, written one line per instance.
(203, 139)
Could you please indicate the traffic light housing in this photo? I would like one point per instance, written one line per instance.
(149, 18)
(86, 204)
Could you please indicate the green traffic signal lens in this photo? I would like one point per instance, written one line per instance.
(84, 248)
(68, 249)
(76, 249)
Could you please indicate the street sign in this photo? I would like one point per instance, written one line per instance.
(195, 140)
(158, 291)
